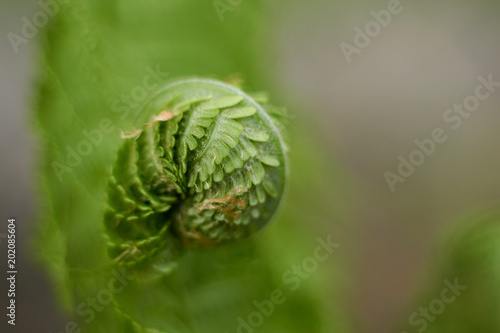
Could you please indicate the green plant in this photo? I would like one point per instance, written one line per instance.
(208, 166)
(94, 53)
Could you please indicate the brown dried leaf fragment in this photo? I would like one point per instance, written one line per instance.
(162, 116)
(229, 205)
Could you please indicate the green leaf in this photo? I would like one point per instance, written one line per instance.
(193, 128)
(241, 112)
(269, 160)
(256, 135)
(222, 138)
(221, 103)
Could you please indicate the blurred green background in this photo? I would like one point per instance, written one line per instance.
(359, 117)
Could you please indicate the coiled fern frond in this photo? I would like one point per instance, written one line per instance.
(208, 166)
(168, 197)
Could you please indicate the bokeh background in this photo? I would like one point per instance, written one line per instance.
(365, 114)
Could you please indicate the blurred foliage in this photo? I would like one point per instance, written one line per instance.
(464, 293)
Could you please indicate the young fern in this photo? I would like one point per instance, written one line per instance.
(192, 171)
(208, 166)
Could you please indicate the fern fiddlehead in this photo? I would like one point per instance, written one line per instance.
(208, 166)
(205, 289)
